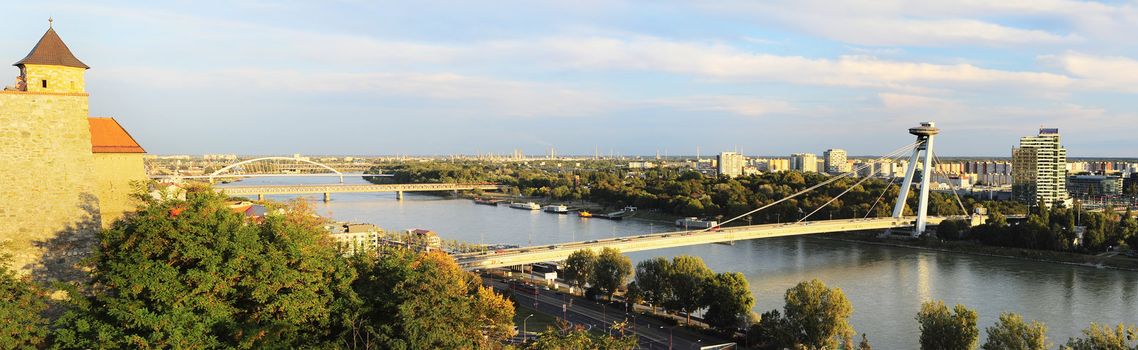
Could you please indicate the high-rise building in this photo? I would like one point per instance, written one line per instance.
(730, 164)
(1039, 169)
(804, 162)
(836, 161)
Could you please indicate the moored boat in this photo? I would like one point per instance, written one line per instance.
(556, 209)
(585, 214)
(526, 205)
(694, 222)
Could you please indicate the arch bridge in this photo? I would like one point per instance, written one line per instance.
(279, 167)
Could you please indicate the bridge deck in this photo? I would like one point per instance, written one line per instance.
(341, 188)
(557, 252)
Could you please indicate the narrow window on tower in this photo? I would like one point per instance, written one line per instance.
(44, 83)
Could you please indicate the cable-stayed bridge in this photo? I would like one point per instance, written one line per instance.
(921, 158)
(560, 251)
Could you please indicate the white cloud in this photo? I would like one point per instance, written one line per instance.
(740, 105)
(724, 62)
(497, 97)
(1098, 72)
(890, 23)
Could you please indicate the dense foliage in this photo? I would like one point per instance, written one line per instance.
(944, 330)
(579, 267)
(195, 274)
(22, 325)
(425, 301)
(729, 301)
(687, 281)
(1096, 337)
(1012, 333)
(611, 271)
(814, 317)
(578, 338)
(1056, 228)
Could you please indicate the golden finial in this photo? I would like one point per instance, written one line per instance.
(49, 20)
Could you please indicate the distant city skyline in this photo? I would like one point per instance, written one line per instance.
(773, 78)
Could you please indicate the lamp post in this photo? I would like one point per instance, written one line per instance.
(524, 328)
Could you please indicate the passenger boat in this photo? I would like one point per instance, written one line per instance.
(585, 214)
(693, 222)
(556, 209)
(526, 206)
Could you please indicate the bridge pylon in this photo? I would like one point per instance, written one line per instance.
(923, 153)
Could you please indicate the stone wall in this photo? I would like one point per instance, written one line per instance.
(59, 79)
(113, 176)
(49, 211)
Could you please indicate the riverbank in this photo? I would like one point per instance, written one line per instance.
(973, 248)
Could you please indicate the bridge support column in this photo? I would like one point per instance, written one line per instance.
(327, 197)
(924, 134)
(399, 195)
(260, 197)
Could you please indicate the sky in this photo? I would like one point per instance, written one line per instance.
(622, 77)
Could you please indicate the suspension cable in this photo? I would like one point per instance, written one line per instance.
(867, 177)
(890, 155)
(936, 160)
(887, 187)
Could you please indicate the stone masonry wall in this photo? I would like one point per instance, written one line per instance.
(59, 79)
(113, 174)
(49, 211)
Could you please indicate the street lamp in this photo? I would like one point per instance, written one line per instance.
(524, 328)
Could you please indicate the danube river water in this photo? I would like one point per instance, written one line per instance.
(885, 284)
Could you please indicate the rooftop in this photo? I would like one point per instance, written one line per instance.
(51, 50)
(107, 136)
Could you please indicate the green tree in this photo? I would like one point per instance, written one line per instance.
(579, 267)
(577, 338)
(729, 301)
(1012, 333)
(611, 270)
(818, 316)
(22, 304)
(943, 330)
(425, 301)
(1121, 337)
(687, 277)
(195, 274)
(652, 279)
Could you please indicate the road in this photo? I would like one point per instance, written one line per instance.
(652, 334)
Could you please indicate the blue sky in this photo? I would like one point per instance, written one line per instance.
(462, 77)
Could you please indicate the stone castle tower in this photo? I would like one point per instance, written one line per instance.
(63, 175)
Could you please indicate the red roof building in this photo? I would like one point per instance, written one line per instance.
(107, 136)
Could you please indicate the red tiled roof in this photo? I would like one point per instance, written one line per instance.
(107, 136)
(51, 50)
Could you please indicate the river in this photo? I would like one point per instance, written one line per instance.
(885, 284)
